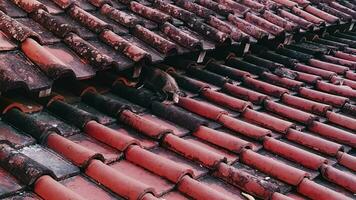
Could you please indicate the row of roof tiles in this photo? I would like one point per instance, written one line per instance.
(271, 125)
(80, 38)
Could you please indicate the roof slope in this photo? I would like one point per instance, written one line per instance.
(271, 124)
(79, 38)
(244, 129)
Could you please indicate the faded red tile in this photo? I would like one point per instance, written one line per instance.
(160, 185)
(87, 189)
(109, 153)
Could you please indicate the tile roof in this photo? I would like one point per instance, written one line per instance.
(274, 119)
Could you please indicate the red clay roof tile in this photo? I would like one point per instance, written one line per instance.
(46, 187)
(318, 144)
(333, 133)
(243, 127)
(259, 126)
(313, 191)
(86, 188)
(157, 164)
(290, 113)
(274, 168)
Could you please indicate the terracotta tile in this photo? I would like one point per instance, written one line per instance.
(265, 164)
(311, 189)
(88, 189)
(177, 130)
(47, 62)
(198, 170)
(47, 187)
(12, 10)
(250, 185)
(313, 157)
(47, 37)
(223, 187)
(109, 153)
(230, 156)
(130, 50)
(81, 69)
(144, 140)
(104, 175)
(198, 190)
(116, 27)
(160, 185)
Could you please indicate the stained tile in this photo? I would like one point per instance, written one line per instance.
(12, 10)
(64, 129)
(19, 72)
(13, 137)
(46, 36)
(58, 165)
(8, 184)
(102, 118)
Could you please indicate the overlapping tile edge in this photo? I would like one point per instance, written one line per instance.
(215, 161)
